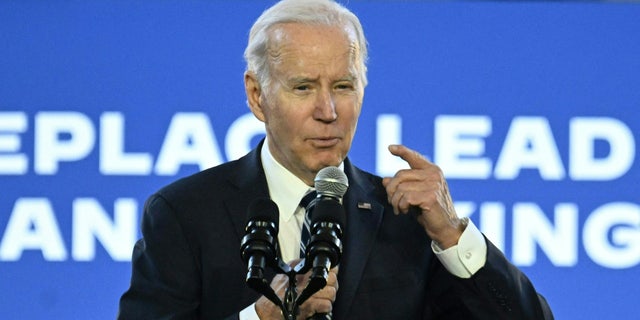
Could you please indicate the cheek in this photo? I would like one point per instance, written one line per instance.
(350, 117)
(351, 105)
(286, 126)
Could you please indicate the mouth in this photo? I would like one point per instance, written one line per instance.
(324, 142)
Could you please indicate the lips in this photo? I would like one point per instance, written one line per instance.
(324, 142)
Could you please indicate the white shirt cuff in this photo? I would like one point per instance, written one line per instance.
(468, 256)
(249, 313)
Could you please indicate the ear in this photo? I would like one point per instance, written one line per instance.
(254, 93)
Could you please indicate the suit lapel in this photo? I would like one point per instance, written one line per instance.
(250, 183)
(246, 182)
(364, 215)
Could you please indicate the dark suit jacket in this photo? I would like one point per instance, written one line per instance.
(188, 265)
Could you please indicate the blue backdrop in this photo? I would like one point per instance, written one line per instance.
(531, 109)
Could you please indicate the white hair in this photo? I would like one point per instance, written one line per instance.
(310, 12)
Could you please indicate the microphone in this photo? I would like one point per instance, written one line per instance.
(325, 246)
(258, 246)
(328, 219)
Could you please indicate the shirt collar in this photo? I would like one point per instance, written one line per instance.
(285, 189)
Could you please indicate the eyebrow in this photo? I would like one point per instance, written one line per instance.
(297, 80)
(351, 78)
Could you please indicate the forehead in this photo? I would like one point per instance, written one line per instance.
(282, 33)
(301, 44)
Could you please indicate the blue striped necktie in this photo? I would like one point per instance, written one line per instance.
(305, 233)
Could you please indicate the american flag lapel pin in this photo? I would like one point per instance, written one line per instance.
(364, 205)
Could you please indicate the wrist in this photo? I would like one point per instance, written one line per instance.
(449, 237)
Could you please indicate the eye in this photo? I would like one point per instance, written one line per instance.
(302, 87)
(344, 86)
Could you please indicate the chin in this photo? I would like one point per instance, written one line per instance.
(335, 161)
(325, 158)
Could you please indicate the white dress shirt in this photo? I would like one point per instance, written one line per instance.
(286, 190)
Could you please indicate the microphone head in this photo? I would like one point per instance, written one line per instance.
(331, 181)
(263, 209)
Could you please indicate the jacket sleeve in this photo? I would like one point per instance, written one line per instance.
(499, 290)
(165, 282)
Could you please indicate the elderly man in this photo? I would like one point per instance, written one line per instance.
(305, 79)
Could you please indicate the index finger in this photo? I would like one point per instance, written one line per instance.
(412, 157)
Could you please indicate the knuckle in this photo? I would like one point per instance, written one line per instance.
(332, 292)
(323, 306)
(403, 173)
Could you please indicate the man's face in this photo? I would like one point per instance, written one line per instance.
(313, 102)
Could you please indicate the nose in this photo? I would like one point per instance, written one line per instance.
(325, 109)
